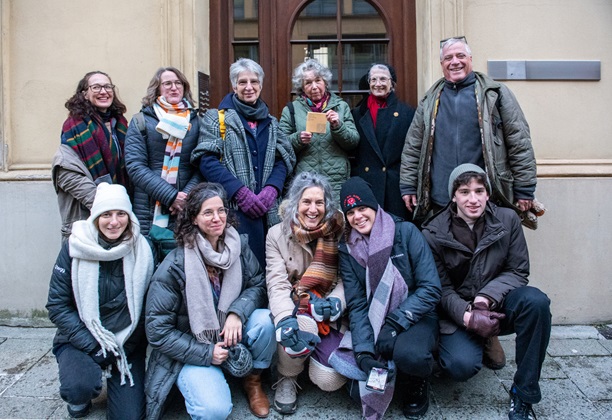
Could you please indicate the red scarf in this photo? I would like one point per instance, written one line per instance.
(374, 104)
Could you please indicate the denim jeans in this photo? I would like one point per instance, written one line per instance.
(81, 381)
(527, 312)
(206, 392)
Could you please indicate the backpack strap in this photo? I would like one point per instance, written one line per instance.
(222, 123)
(291, 112)
(139, 120)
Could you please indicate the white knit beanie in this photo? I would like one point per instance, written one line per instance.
(461, 169)
(111, 197)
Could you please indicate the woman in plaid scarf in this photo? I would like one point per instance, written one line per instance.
(91, 149)
(306, 296)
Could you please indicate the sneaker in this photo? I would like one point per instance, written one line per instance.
(493, 355)
(519, 409)
(417, 398)
(285, 398)
(77, 411)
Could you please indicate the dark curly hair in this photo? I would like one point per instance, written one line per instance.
(153, 89)
(185, 230)
(78, 106)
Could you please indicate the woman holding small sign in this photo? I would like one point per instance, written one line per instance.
(319, 125)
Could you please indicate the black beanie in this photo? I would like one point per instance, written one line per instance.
(355, 193)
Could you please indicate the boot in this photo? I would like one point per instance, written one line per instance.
(416, 398)
(493, 355)
(258, 400)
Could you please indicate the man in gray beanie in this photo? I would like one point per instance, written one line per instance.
(483, 263)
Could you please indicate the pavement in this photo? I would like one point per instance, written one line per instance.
(576, 383)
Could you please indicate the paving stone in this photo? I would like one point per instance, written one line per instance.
(577, 332)
(27, 408)
(561, 399)
(590, 374)
(18, 355)
(39, 381)
(484, 388)
(607, 344)
(605, 408)
(6, 381)
(27, 333)
(577, 348)
(2, 340)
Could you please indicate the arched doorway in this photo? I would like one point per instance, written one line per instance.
(348, 35)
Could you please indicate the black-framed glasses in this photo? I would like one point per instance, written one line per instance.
(168, 85)
(97, 88)
(458, 38)
(209, 214)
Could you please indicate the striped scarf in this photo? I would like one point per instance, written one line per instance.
(318, 106)
(100, 150)
(323, 269)
(173, 125)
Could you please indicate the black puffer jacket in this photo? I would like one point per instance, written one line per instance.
(412, 258)
(114, 312)
(499, 264)
(144, 158)
(167, 322)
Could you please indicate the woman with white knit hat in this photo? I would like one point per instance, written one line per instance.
(96, 298)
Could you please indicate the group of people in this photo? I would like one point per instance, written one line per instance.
(231, 240)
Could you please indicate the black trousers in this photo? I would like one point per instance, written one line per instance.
(413, 351)
(81, 381)
(528, 315)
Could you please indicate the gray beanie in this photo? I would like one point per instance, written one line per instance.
(461, 169)
(239, 362)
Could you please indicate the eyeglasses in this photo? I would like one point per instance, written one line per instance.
(458, 38)
(382, 80)
(98, 88)
(209, 214)
(168, 85)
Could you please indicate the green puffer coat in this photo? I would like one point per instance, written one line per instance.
(327, 153)
(506, 141)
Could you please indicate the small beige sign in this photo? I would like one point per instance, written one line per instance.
(316, 122)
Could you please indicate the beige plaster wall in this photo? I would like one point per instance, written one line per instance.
(49, 45)
(568, 119)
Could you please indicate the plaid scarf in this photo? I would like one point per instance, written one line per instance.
(323, 269)
(173, 125)
(318, 106)
(375, 256)
(100, 150)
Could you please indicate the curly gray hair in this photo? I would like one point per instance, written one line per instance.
(310, 65)
(301, 183)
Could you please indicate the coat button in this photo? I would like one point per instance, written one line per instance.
(367, 169)
(384, 169)
(396, 114)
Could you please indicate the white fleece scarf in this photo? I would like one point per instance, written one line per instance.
(86, 255)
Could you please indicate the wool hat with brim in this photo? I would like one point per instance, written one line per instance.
(111, 197)
(462, 169)
(356, 192)
(239, 362)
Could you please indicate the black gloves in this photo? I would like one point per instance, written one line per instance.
(296, 343)
(483, 322)
(98, 356)
(366, 362)
(325, 309)
(387, 337)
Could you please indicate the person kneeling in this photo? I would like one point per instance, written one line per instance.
(392, 289)
(306, 295)
(482, 259)
(204, 313)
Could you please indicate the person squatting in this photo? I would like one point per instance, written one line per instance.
(230, 241)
